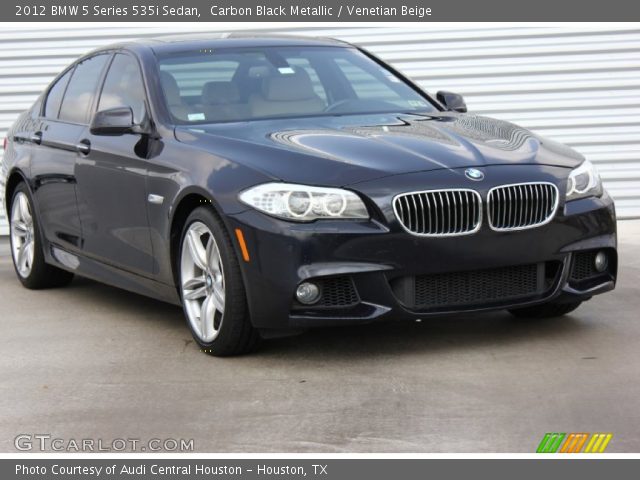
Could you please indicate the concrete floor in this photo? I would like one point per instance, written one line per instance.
(94, 361)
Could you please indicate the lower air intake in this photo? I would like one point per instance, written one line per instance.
(474, 288)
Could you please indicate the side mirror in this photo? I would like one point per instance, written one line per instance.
(114, 121)
(452, 101)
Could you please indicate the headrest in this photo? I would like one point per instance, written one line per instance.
(259, 71)
(220, 93)
(170, 87)
(283, 87)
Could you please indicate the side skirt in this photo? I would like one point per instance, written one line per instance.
(115, 277)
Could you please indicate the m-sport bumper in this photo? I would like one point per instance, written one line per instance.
(376, 270)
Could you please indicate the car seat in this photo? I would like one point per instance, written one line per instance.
(221, 101)
(286, 93)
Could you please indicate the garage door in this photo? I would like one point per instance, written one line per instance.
(580, 86)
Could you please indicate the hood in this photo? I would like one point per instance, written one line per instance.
(349, 149)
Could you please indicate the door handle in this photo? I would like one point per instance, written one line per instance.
(84, 147)
(36, 138)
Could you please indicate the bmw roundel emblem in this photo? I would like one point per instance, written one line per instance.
(474, 174)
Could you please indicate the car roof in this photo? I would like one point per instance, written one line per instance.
(177, 43)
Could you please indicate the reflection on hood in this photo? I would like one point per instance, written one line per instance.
(341, 150)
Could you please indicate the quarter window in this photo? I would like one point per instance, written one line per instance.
(124, 87)
(54, 99)
(81, 90)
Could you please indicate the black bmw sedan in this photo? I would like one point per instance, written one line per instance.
(273, 184)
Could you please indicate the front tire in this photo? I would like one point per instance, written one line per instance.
(26, 245)
(546, 310)
(211, 287)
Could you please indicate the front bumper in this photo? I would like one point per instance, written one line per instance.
(373, 254)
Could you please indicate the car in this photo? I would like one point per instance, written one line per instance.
(271, 184)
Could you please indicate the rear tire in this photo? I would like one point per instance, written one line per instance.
(27, 246)
(211, 287)
(546, 310)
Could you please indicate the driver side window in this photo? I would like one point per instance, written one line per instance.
(123, 87)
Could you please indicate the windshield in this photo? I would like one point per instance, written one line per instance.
(235, 84)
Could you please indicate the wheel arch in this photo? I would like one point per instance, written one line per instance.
(15, 177)
(187, 202)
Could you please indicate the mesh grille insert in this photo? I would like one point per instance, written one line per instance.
(338, 292)
(583, 266)
(335, 292)
(474, 288)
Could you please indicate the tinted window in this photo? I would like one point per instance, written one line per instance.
(81, 90)
(219, 85)
(54, 99)
(123, 87)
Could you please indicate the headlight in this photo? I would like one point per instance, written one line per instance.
(584, 181)
(304, 204)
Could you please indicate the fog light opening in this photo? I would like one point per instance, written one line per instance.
(601, 262)
(308, 293)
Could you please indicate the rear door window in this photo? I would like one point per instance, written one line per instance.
(81, 90)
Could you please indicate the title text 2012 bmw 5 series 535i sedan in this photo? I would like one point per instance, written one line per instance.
(274, 184)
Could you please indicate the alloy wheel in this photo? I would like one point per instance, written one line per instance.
(22, 235)
(202, 281)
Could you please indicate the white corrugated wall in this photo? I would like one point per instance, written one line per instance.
(580, 86)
